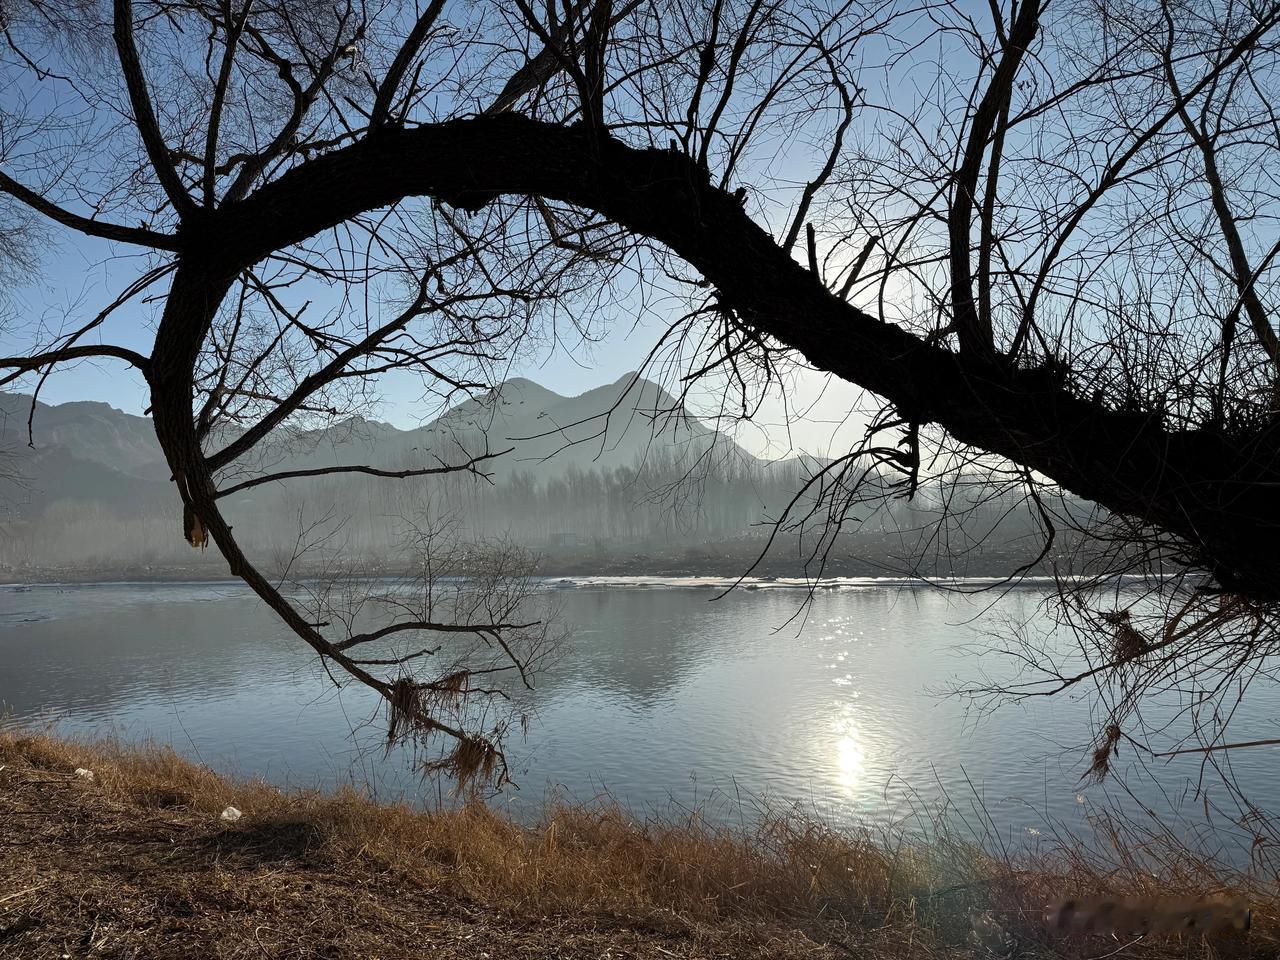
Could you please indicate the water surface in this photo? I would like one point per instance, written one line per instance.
(665, 697)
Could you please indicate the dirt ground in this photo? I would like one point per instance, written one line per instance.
(85, 874)
(138, 862)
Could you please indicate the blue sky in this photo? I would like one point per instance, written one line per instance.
(78, 275)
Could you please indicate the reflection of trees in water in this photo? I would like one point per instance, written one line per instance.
(637, 643)
(645, 642)
(640, 643)
(105, 661)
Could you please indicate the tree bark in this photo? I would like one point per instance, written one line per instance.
(199, 285)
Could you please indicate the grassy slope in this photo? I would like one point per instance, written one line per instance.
(137, 863)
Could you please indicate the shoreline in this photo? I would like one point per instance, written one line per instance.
(115, 850)
(681, 580)
(727, 560)
(586, 581)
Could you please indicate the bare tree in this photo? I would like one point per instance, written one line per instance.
(1032, 235)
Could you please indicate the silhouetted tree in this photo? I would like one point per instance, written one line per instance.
(1043, 243)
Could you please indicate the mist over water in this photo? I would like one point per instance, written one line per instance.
(666, 696)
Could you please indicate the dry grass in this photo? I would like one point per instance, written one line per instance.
(310, 874)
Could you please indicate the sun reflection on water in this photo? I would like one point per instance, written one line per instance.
(850, 755)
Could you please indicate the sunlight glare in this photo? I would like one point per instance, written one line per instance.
(850, 758)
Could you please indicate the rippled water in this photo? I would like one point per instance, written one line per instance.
(665, 696)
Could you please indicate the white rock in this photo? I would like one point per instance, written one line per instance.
(84, 774)
(231, 814)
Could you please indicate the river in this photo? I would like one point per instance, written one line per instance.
(667, 697)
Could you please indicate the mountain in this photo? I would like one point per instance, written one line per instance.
(82, 451)
(546, 434)
(94, 432)
(94, 453)
(603, 481)
(93, 493)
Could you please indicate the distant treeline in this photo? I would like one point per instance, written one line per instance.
(661, 500)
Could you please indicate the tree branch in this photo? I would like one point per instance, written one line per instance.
(315, 381)
(21, 365)
(973, 329)
(468, 467)
(404, 626)
(144, 115)
(1128, 463)
(234, 30)
(94, 228)
(1241, 270)
(400, 65)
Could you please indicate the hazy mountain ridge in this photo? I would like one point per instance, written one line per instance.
(82, 451)
(88, 431)
(590, 494)
(93, 452)
(548, 434)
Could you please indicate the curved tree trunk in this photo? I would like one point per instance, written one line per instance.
(1214, 492)
(197, 291)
